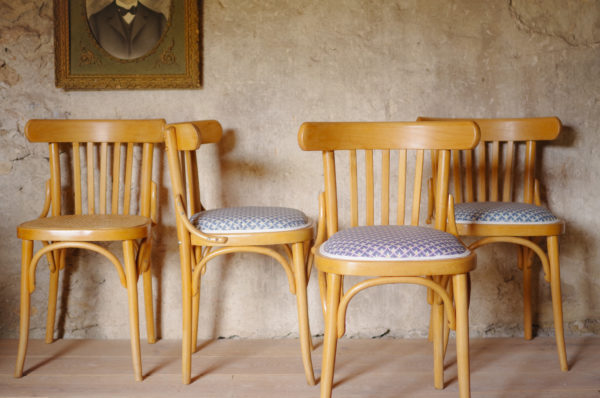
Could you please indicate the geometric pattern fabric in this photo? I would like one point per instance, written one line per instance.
(502, 213)
(249, 219)
(392, 243)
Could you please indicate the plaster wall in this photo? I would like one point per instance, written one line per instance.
(269, 65)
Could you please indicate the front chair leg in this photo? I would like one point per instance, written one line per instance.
(58, 258)
(462, 334)
(134, 327)
(26, 255)
(302, 304)
(149, 306)
(557, 302)
(437, 310)
(330, 339)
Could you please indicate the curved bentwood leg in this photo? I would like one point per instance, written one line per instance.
(557, 301)
(26, 255)
(134, 326)
(462, 334)
(302, 303)
(58, 259)
(330, 339)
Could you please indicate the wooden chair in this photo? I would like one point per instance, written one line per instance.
(487, 206)
(206, 234)
(112, 200)
(391, 253)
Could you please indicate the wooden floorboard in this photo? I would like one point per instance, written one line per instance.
(272, 368)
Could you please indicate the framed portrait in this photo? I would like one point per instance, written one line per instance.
(126, 44)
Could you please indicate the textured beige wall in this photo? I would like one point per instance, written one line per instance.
(269, 65)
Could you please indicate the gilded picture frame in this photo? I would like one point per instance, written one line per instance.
(87, 57)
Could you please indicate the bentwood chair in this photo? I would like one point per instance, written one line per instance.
(109, 197)
(485, 185)
(400, 253)
(281, 233)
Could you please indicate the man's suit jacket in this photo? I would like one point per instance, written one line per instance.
(111, 31)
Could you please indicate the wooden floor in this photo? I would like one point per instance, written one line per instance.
(272, 368)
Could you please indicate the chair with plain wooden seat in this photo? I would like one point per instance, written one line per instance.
(390, 254)
(488, 209)
(110, 197)
(206, 234)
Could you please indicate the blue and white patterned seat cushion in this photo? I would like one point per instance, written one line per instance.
(393, 243)
(502, 213)
(249, 219)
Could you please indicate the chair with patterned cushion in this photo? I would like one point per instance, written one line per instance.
(100, 190)
(281, 233)
(487, 207)
(389, 254)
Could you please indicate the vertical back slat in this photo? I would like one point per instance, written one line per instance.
(495, 183)
(128, 176)
(481, 171)
(385, 187)
(370, 181)
(195, 197)
(529, 176)
(330, 193)
(55, 183)
(469, 186)
(456, 176)
(401, 186)
(189, 181)
(146, 178)
(90, 179)
(441, 191)
(353, 189)
(508, 172)
(416, 202)
(116, 173)
(103, 176)
(77, 177)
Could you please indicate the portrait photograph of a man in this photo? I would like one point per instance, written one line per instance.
(128, 29)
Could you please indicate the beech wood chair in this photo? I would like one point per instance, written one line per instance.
(105, 209)
(490, 205)
(389, 254)
(206, 234)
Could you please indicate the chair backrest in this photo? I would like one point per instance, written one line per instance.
(105, 169)
(181, 141)
(493, 170)
(408, 139)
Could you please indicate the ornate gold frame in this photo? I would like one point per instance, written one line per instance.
(86, 66)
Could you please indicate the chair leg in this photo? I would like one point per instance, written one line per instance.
(26, 255)
(462, 334)
(149, 306)
(195, 315)
(134, 326)
(437, 327)
(525, 263)
(186, 309)
(330, 339)
(302, 304)
(53, 296)
(557, 301)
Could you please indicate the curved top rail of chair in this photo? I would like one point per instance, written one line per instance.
(512, 129)
(325, 136)
(79, 130)
(190, 135)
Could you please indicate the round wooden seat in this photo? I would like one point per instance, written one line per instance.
(92, 227)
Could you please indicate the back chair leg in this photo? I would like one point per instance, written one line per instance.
(195, 314)
(462, 334)
(52, 297)
(134, 327)
(149, 306)
(438, 343)
(525, 262)
(26, 255)
(302, 304)
(330, 339)
(557, 301)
